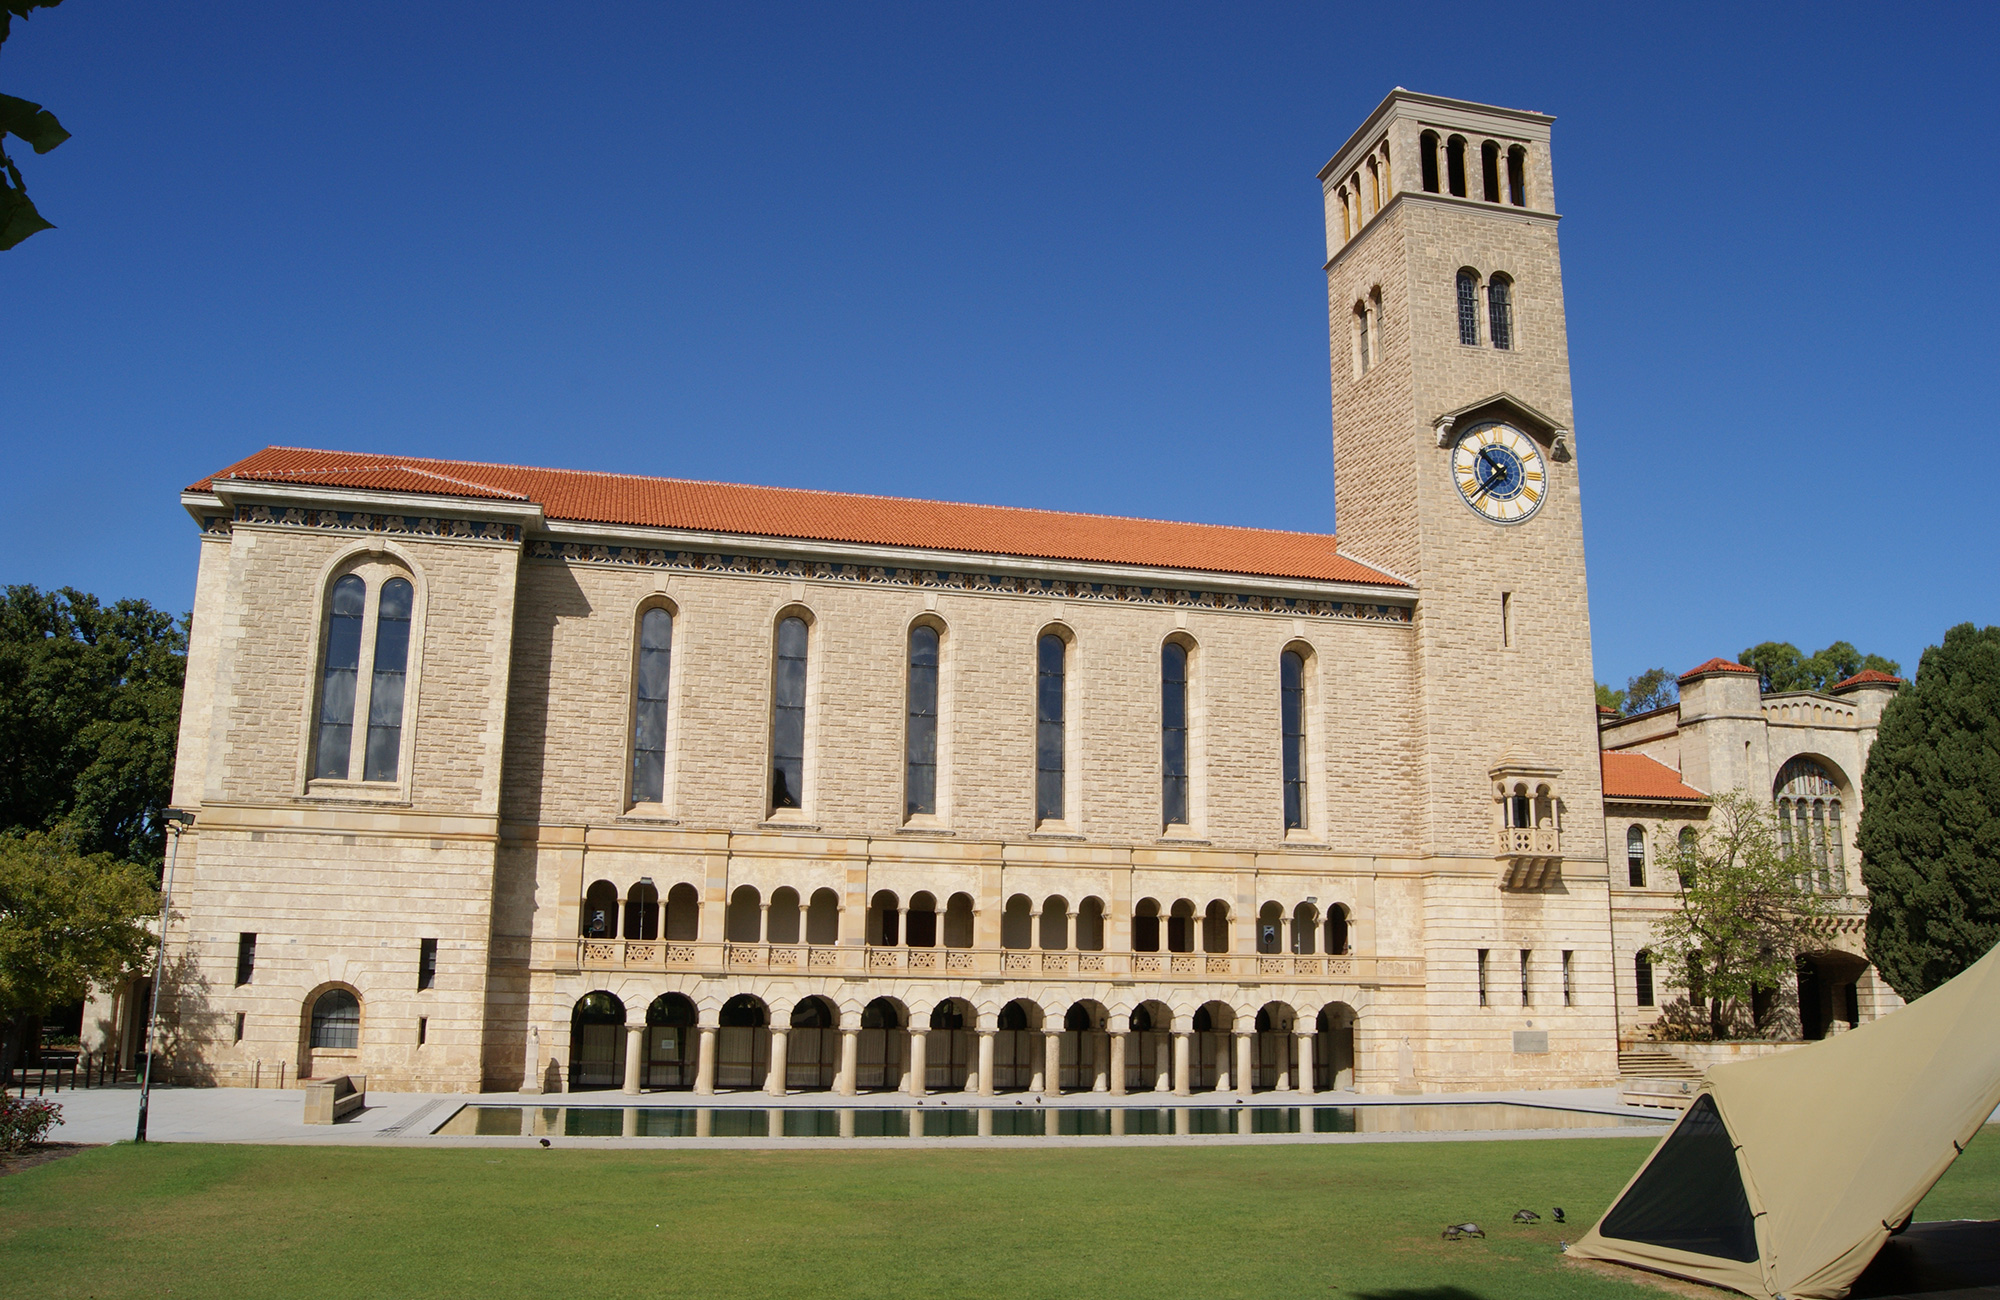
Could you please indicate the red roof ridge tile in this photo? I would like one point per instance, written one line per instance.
(1715, 665)
(1868, 676)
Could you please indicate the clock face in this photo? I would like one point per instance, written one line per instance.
(1500, 472)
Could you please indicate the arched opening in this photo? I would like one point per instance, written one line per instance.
(1829, 992)
(1146, 925)
(1517, 176)
(884, 1046)
(1305, 930)
(743, 1043)
(1500, 312)
(333, 1033)
(1017, 929)
(670, 1042)
(642, 912)
(785, 915)
(1090, 925)
(1017, 1047)
(1270, 929)
(812, 1045)
(951, 1054)
(1454, 155)
(1149, 1050)
(885, 918)
(1055, 923)
(596, 1042)
(1272, 1060)
(1211, 1063)
(1336, 931)
(1807, 795)
(1489, 171)
(823, 918)
(1181, 926)
(683, 914)
(1333, 1047)
(920, 924)
(958, 921)
(600, 910)
(1428, 153)
(1635, 857)
(1215, 927)
(1642, 977)
(745, 922)
(1085, 1050)
(1468, 308)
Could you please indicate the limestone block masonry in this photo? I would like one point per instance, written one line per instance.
(478, 898)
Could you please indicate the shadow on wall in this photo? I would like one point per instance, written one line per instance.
(542, 598)
(189, 1022)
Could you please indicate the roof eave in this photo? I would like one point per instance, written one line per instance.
(528, 514)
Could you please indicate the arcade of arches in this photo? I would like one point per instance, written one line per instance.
(812, 1044)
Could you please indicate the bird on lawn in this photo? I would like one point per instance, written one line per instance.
(1526, 1216)
(545, 1141)
(1559, 1215)
(1460, 1231)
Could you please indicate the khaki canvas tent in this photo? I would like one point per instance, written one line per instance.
(1787, 1174)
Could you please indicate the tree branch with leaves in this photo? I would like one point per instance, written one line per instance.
(34, 125)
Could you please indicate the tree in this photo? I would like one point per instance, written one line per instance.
(67, 920)
(90, 699)
(1743, 914)
(33, 124)
(1781, 667)
(1652, 689)
(1608, 698)
(1930, 833)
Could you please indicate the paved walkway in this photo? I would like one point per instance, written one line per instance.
(271, 1115)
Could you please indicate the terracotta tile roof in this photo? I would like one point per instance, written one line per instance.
(1716, 666)
(592, 497)
(1866, 677)
(1634, 778)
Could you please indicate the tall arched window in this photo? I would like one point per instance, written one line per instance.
(649, 724)
(1454, 155)
(1468, 309)
(920, 735)
(364, 670)
(1292, 727)
(788, 717)
(1363, 358)
(1428, 162)
(1690, 845)
(1051, 656)
(1489, 171)
(342, 664)
(1517, 176)
(1635, 857)
(1500, 311)
(1642, 974)
(336, 1020)
(1173, 734)
(1808, 805)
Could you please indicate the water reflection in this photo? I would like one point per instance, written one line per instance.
(1015, 1121)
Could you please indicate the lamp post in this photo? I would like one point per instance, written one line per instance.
(177, 820)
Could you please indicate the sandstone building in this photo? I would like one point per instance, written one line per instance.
(518, 777)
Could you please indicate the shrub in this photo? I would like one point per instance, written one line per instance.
(26, 1122)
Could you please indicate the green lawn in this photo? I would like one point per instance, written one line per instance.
(1288, 1222)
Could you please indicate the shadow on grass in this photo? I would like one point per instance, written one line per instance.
(1423, 1293)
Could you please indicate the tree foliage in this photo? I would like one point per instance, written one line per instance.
(67, 920)
(1655, 688)
(90, 700)
(31, 123)
(1930, 833)
(1742, 916)
(1781, 667)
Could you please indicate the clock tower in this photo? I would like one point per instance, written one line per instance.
(1456, 466)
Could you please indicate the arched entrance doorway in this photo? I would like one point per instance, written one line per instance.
(883, 1051)
(1333, 1048)
(812, 1048)
(1829, 992)
(1271, 1052)
(1085, 1049)
(1209, 1061)
(742, 1043)
(596, 1042)
(1017, 1048)
(1149, 1063)
(951, 1056)
(670, 1042)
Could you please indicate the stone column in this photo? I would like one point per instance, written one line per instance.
(630, 1127)
(1222, 1063)
(531, 1074)
(1283, 1083)
(1052, 1068)
(704, 1062)
(1037, 1069)
(774, 1082)
(1100, 1051)
(1118, 1063)
(1306, 1083)
(1246, 1078)
(914, 1082)
(764, 921)
(1183, 1041)
(635, 1056)
(1163, 1070)
(850, 1061)
(985, 1088)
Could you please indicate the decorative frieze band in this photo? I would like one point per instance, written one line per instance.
(357, 521)
(766, 566)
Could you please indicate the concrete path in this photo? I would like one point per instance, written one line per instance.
(271, 1115)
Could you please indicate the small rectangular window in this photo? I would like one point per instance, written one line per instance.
(427, 964)
(1506, 619)
(423, 1030)
(1642, 967)
(239, 1026)
(1527, 997)
(246, 958)
(1569, 992)
(1482, 977)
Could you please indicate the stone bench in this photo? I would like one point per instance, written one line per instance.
(1667, 1094)
(335, 1099)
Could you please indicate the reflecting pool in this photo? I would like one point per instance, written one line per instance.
(943, 1121)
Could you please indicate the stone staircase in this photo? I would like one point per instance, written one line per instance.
(1652, 1063)
(1650, 1077)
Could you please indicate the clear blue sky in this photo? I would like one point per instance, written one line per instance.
(1064, 257)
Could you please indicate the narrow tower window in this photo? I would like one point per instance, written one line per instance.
(1642, 972)
(1489, 169)
(1468, 309)
(1569, 989)
(649, 721)
(1292, 718)
(1500, 310)
(1517, 176)
(385, 692)
(1635, 857)
(1428, 162)
(1362, 356)
(1173, 734)
(1454, 156)
(1527, 998)
(1482, 977)
(246, 957)
(1506, 619)
(1050, 653)
(337, 682)
(427, 964)
(920, 745)
(788, 717)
